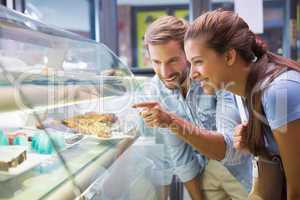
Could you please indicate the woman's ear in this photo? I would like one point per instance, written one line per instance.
(230, 57)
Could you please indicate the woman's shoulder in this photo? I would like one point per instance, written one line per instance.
(281, 99)
(289, 75)
(288, 80)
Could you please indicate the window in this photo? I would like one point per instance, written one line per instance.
(273, 13)
(133, 18)
(73, 15)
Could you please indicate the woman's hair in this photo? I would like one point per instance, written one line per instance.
(165, 29)
(224, 30)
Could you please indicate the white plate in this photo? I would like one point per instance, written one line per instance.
(116, 135)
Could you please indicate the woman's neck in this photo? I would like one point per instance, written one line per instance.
(239, 80)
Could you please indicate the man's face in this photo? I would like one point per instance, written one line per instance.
(169, 63)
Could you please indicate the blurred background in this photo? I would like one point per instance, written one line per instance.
(120, 24)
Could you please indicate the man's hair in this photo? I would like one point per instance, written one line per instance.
(165, 29)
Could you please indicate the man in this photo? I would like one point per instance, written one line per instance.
(186, 99)
(170, 83)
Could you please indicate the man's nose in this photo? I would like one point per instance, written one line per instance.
(165, 71)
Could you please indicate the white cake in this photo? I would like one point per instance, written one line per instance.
(11, 156)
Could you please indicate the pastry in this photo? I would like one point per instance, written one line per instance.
(11, 156)
(92, 124)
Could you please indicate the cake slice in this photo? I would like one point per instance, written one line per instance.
(11, 156)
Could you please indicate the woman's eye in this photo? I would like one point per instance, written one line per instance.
(199, 62)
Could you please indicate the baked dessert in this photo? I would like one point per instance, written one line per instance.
(12, 135)
(92, 123)
(11, 156)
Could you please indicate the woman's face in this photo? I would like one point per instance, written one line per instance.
(206, 64)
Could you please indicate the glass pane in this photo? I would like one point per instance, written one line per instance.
(50, 78)
(71, 98)
(61, 14)
(38, 58)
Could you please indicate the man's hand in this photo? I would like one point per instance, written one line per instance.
(154, 115)
(239, 137)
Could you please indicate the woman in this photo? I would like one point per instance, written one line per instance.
(226, 52)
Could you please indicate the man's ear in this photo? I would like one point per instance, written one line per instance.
(230, 57)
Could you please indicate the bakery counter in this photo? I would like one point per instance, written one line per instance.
(57, 179)
(49, 75)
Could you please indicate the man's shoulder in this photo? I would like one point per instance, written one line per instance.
(158, 85)
(156, 80)
(154, 86)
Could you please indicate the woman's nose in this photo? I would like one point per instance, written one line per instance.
(195, 74)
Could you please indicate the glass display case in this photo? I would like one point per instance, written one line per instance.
(65, 116)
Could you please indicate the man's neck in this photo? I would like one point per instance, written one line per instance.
(184, 86)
